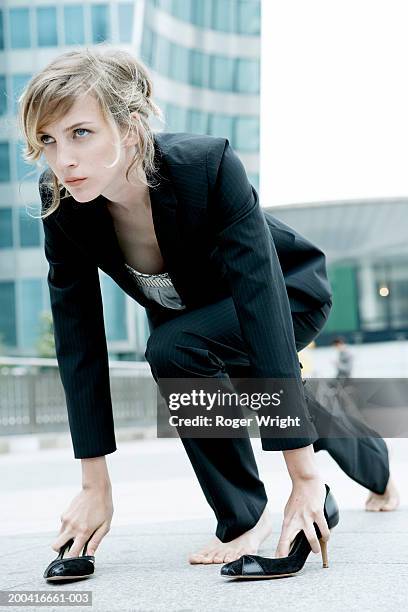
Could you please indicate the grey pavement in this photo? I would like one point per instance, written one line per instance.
(161, 516)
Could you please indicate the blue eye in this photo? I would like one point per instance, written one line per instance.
(81, 130)
(75, 132)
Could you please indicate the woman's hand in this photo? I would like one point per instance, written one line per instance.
(303, 508)
(89, 514)
(305, 505)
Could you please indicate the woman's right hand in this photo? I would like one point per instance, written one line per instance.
(89, 514)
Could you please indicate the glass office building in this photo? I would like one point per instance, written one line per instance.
(204, 56)
(31, 35)
(204, 59)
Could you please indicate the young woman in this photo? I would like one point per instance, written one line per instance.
(228, 290)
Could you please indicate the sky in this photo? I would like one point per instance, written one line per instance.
(334, 100)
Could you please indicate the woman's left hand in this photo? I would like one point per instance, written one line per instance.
(304, 507)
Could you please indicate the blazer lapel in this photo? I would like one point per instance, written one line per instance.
(166, 221)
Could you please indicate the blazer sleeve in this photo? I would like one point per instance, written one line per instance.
(257, 285)
(80, 342)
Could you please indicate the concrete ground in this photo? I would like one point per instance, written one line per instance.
(161, 516)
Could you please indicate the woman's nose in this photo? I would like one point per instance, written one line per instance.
(66, 158)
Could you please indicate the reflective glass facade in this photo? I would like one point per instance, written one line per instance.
(194, 67)
(208, 85)
(233, 16)
(24, 293)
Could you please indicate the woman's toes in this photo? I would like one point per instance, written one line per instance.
(198, 557)
(371, 508)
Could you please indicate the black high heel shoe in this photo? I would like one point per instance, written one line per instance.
(71, 568)
(254, 566)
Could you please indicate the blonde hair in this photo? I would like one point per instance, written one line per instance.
(121, 85)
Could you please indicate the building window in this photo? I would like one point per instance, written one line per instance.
(179, 63)
(29, 229)
(8, 336)
(18, 82)
(4, 162)
(372, 307)
(398, 303)
(343, 315)
(6, 228)
(222, 125)
(224, 15)
(114, 309)
(222, 73)
(177, 117)
(162, 55)
(47, 26)
(3, 95)
(31, 307)
(249, 17)
(201, 13)
(198, 122)
(74, 24)
(125, 16)
(24, 170)
(247, 134)
(20, 28)
(200, 69)
(1, 30)
(100, 22)
(383, 293)
(248, 76)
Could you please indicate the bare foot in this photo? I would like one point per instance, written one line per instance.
(389, 500)
(246, 544)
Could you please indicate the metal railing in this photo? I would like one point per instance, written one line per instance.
(32, 398)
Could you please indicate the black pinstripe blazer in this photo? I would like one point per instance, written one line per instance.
(215, 240)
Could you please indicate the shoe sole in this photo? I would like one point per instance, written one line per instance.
(260, 577)
(58, 578)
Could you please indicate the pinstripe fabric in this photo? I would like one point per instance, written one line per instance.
(207, 342)
(80, 342)
(215, 240)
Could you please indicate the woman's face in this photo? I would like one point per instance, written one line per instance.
(81, 145)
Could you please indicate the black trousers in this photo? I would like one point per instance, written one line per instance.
(207, 342)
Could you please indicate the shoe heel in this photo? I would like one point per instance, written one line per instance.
(323, 548)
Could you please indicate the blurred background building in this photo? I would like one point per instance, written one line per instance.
(204, 57)
(366, 246)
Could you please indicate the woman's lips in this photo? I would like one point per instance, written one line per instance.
(76, 182)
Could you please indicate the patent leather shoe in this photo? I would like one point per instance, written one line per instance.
(72, 568)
